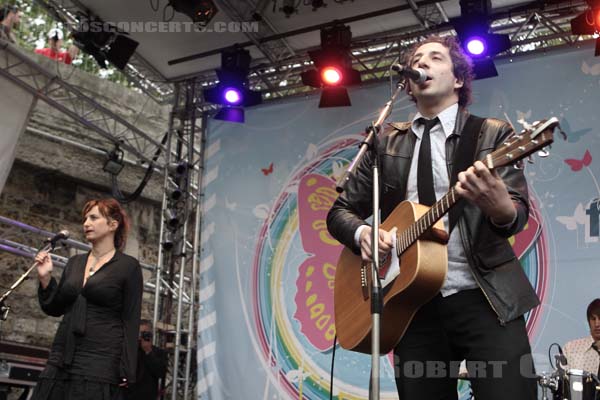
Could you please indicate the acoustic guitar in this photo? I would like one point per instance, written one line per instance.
(421, 251)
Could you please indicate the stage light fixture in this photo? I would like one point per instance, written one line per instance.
(588, 23)
(232, 91)
(316, 4)
(472, 30)
(333, 71)
(175, 193)
(114, 161)
(171, 218)
(199, 11)
(331, 75)
(168, 241)
(105, 44)
(476, 46)
(178, 169)
(289, 7)
(233, 96)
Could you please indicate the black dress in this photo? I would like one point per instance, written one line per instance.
(96, 342)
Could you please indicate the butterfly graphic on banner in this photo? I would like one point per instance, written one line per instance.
(573, 136)
(593, 70)
(571, 222)
(314, 295)
(577, 165)
(267, 171)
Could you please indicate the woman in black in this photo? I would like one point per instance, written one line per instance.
(99, 295)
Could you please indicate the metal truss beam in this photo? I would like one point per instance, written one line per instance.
(428, 15)
(531, 28)
(25, 72)
(175, 305)
(243, 11)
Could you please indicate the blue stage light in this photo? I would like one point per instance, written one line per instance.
(476, 46)
(232, 96)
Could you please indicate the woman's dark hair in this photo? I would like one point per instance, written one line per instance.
(461, 63)
(593, 309)
(111, 209)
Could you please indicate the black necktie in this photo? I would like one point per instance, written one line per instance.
(424, 167)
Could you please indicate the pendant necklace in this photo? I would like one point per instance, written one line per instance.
(93, 269)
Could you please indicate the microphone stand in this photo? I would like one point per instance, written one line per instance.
(370, 143)
(5, 309)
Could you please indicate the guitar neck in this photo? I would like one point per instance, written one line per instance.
(427, 220)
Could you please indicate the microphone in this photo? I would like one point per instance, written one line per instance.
(560, 358)
(417, 75)
(62, 235)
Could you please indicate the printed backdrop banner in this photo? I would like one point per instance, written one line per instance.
(266, 325)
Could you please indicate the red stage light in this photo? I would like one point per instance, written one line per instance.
(331, 76)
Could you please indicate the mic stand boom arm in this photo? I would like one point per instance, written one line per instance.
(5, 309)
(376, 298)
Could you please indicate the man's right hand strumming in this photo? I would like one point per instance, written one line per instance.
(385, 243)
(44, 268)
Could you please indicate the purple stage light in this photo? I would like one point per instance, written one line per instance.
(476, 46)
(232, 96)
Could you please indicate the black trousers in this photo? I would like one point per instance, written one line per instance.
(463, 326)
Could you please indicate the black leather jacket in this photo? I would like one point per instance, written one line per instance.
(495, 267)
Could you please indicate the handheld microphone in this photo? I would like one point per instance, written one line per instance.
(62, 235)
(417, 75)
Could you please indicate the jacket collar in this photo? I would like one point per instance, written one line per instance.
(461, 118)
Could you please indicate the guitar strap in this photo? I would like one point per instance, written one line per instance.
(464, 157)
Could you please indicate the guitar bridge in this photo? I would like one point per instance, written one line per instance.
(363, 281)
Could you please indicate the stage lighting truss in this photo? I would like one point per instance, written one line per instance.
(588, 23)
(232, 91)
(333, 67)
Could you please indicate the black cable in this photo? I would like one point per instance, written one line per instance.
(332, 363)
(550, 356)
(124, 199)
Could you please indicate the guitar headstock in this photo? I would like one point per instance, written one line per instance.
(522, 145)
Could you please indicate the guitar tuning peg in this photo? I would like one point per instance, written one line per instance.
(519, 165)
(543, 153)
(530, 160)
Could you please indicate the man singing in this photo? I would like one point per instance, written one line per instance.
(478, 314)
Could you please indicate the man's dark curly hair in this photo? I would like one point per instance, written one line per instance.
(462, 64)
